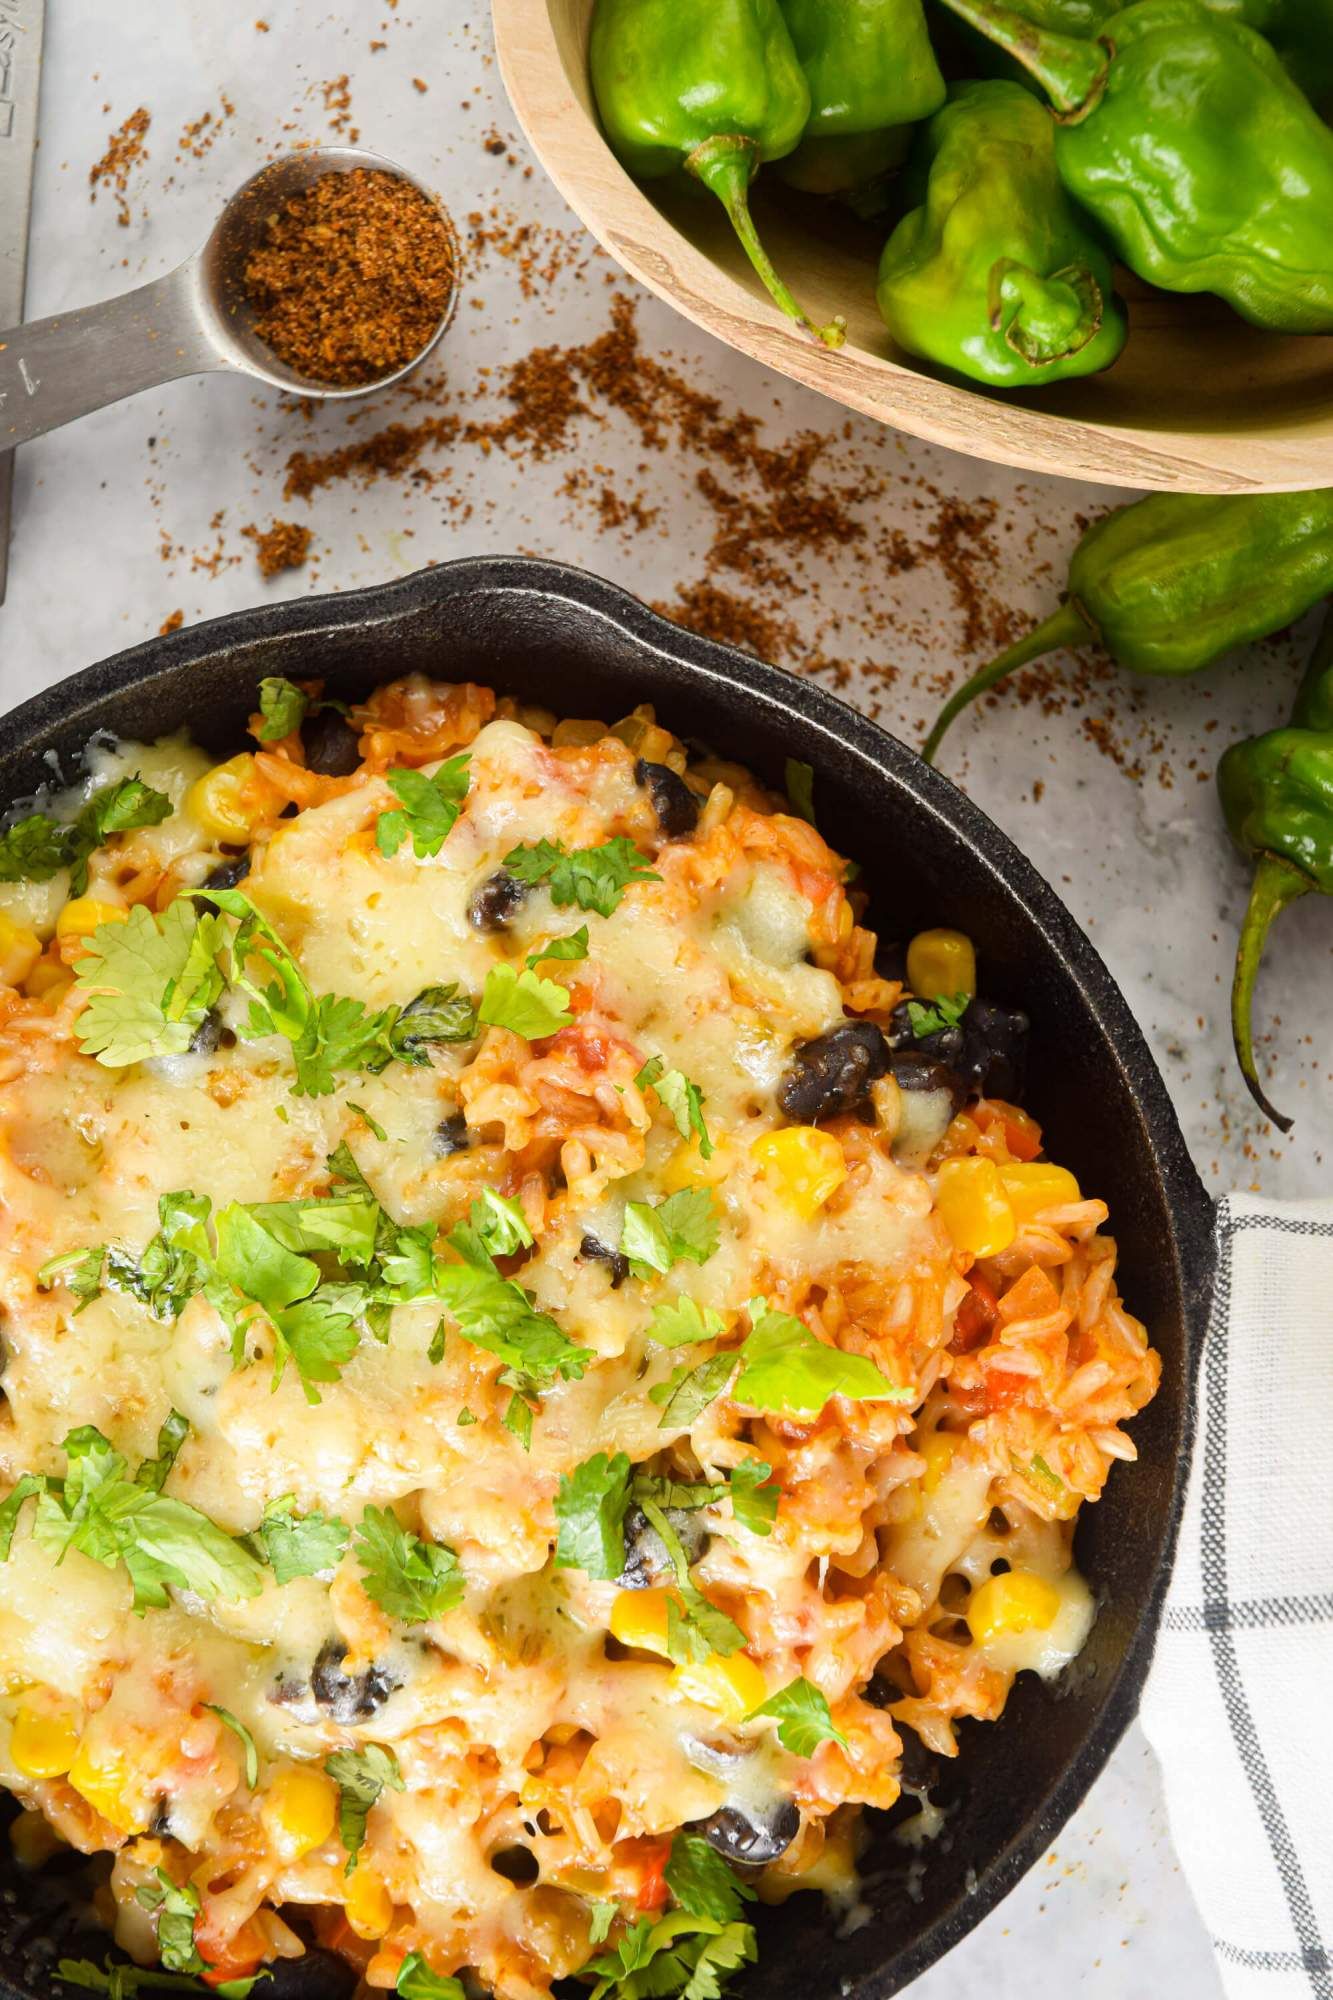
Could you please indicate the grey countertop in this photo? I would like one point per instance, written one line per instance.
(136, 514)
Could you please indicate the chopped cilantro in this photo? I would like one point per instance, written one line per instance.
(701, 1882)
(681, 1322)
(410, 1579)
(685, 1225)
(935, 1019)
(689, 1391)
(361, 1775)
(518, 1419)
(282, 707)
(800, 779)
(295, 1544)
(372, 1125)
(590, 1510)
(429, 807)
(675, 1957)
(697, 1628)
(594, 878)
(802, 1715)
(437, 1014)
(571, 947)
(79, 1271)
(788, 1369)
(243, 1737)
(126, 1981)
(152, 981)
(523, 1002)
(755, 1495)
(416, 1981)
(38, 847)
(681, 1098)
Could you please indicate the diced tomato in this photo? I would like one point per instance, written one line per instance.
(1002, 1388)
(1022, 1134)
(975, 1316)
(653, 1889)
(237, 1958)
(1032, 1296)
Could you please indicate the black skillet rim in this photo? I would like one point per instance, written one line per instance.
(884, 758)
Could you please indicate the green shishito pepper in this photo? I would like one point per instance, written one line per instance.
(1182, 134)
(1277, 800)
(994, 276)
(1169, 584)
(871, 72)
(712, 86)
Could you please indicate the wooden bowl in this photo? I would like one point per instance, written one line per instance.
(1198, 400)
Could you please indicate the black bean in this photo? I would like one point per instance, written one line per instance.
(207, 1035)
(833, 1073)
(676, 806)
(347, 1697)
(451, 1135)
(986, 1050)
(160, 1824)
(752, 1835)
(228, 873)
(913, 1070)
(646, 1559)
(615, 1260)
(494, 903)
(517, 1864)
(319, 1974)
(332, 747)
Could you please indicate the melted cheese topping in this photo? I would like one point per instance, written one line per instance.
(515, 1720)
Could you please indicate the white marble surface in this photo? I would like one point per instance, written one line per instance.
(110, 516)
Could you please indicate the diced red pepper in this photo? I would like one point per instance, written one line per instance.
(653, 1890)
(975, 1317)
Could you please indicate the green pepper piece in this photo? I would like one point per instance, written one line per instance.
(994, 276)
(1180, 131)
(1169, 584)
(712, 86)
(1277, 800)
(871, 70)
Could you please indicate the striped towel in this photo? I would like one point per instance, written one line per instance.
(1239, 1706)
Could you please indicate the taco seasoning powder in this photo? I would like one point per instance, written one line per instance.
(351, 277)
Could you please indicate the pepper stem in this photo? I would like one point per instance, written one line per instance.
(1276, 883)
(1044, 319)
(1071, 70)
(727, 164)
(1069, 626)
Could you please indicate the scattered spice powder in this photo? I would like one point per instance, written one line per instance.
(171, 623)
(201, 134)
(353, 277)
(283, 545)
(125, 151)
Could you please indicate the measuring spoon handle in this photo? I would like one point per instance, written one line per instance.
(54, 370)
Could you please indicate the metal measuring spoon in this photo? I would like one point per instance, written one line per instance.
(194, 321)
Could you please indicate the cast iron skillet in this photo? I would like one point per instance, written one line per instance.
(582, 647)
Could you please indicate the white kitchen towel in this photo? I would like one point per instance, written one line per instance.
(1239, 1705)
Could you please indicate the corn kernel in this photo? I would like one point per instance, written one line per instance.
(732, 1688)
(81, 916)
(937, 1450)
(1017, 1601)
(367, 1904)
(1033, 1185)
(99, 1776)
(226, 802)
(639, 1618)
(299, 1810)
(44, 1738)
(20, 949)
(49, 981)
(940, 964)
(972, 1204)
(688, 1168)
(803, 1164)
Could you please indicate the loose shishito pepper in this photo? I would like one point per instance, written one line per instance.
(1277, 800)
(872, 75)
(1179, 130)
(993, 276)
(710, 86)
(1169, 584)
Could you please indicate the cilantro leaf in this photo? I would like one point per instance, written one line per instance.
(496, 1314)
(23, 1489)
(680, 1322)
(590, 1509)
(689, 1391)
(34, 849)
(676, 1957)
(416, 1981)
(656, 1237)
(295, 1544)
(410, 1579)
(243, 1736)
(603, 1915)
(934, 1020)
(38, 847)
(572, 947)
(517, 1419)
(430, 807)
(154, 1472)
(716, 1958)
(788, 1369)
(361, 1775)
(80, 1271)
(523, 1002)
(754, 1495)
(152, 980)
(496, 1227)
(437, 1014)
(595, 878)
(802, 1715)
(175, 1907)
(701, 1882)
(681, 1098)
(282, 706)
(124, 1981)
(698, 1628)
(800, 781)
